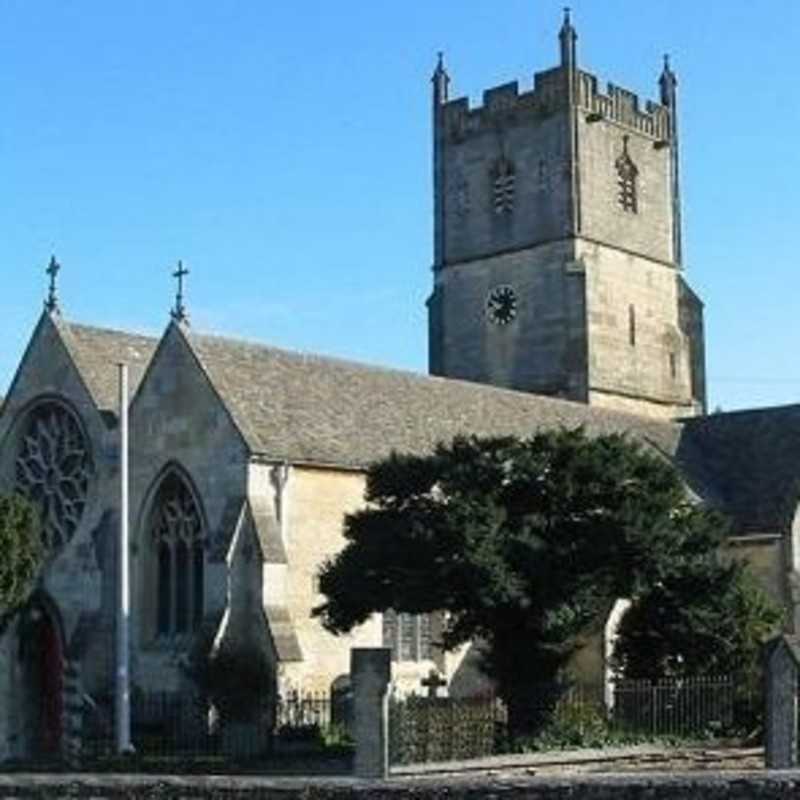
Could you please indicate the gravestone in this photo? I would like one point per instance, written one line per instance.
(782, 660)
(370, 673)
(433, 683)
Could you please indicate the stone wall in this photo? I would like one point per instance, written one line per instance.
(639, 360)
(536, 149)
(783, 785)
(316, 501)
(647, 232)
(71, 583)
(72, 576)
(543, 350)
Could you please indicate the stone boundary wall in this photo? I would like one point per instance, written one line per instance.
(777, 785)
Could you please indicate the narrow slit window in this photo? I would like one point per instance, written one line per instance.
(542, 175)
(197, 588)
(164, 622)
(631, 326)
(408, 638)
(182, 588)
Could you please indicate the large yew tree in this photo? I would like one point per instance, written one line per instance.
(524, 544)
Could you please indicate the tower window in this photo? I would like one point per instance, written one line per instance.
(627, 176)
(631, 326)
(673, 366)
(503, 186)
(543, 178)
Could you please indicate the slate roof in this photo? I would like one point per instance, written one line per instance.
(96, 351)
(314, 409)
(754, 458)
(317, 410)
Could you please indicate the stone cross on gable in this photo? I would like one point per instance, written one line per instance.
(433, 683)
(179, 312)
(51, 303)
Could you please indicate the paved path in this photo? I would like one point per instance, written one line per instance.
(641, 758)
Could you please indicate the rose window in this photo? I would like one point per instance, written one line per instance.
(53, 470)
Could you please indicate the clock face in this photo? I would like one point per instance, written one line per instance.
(501, 305)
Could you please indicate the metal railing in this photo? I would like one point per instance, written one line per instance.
(557, 715)
(298, 711)
(168, 725)
(683, 706)
(177, 728)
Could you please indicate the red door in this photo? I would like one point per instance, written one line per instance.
(51, 686)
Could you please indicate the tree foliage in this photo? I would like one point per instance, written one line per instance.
(236, 676)
(524, 544)
(669, 633)
(21, 549)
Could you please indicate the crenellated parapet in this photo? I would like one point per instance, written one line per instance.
(622, 107)
(506, 105)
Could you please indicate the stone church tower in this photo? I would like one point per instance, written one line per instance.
(557, 254)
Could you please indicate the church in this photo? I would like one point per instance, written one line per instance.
(558, 299)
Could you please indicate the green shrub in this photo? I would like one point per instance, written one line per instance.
(22, 552)
(238, 680)
(572, 726)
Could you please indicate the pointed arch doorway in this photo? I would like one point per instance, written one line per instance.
(41, 644)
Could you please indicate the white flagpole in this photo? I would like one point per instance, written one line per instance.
(122, 695)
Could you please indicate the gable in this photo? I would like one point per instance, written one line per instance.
(50, 425)
(46, 369)
(176, 399)
(177, 417)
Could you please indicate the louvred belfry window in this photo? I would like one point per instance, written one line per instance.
(178, 539)
(627, 176)
(503, 186)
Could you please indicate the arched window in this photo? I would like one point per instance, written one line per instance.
(177, 538)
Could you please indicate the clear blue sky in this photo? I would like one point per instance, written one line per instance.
(283, 151)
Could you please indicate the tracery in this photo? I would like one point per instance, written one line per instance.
(503, 186)
(176, 532)
(627, 174)
(53, 469)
